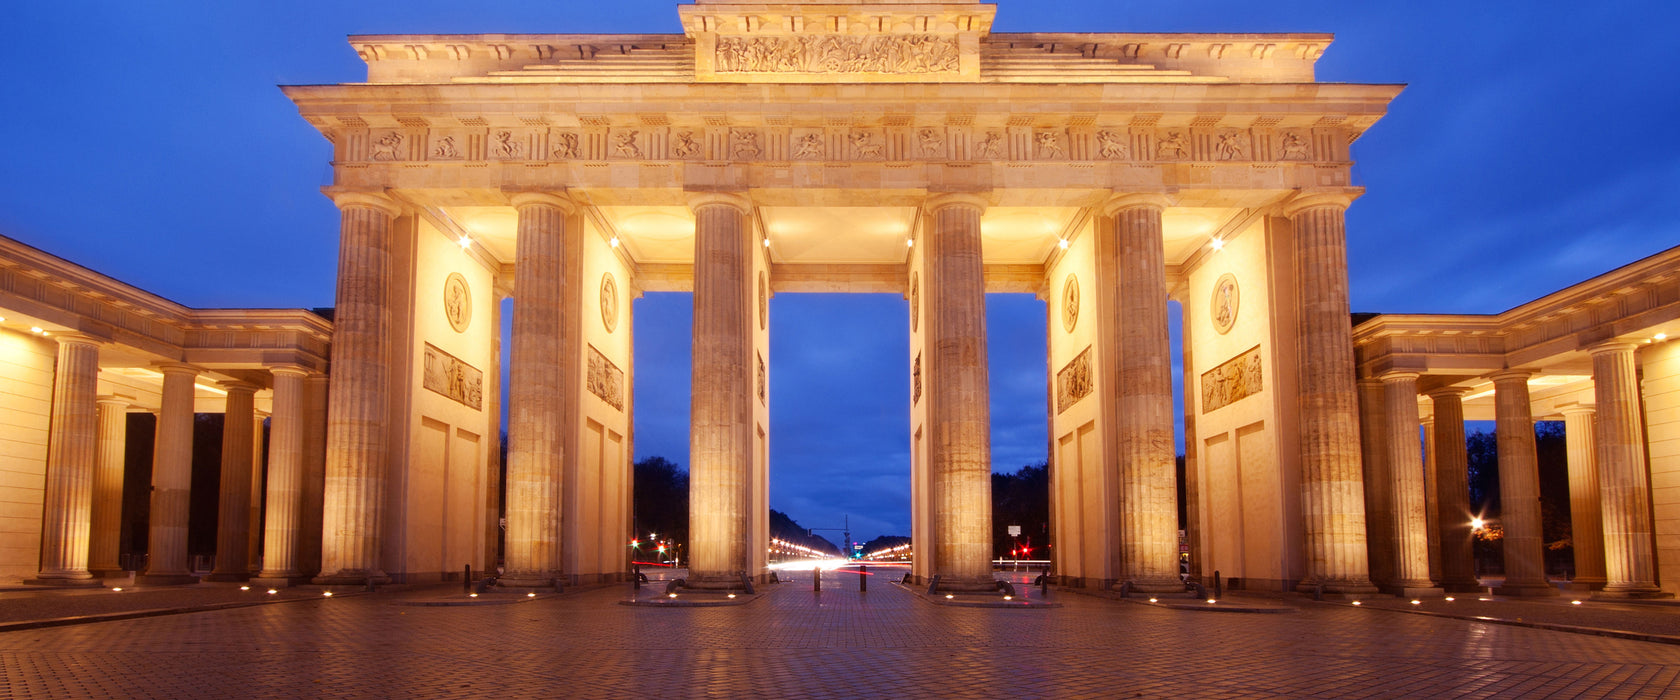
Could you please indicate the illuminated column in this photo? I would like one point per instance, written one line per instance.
(314, 471)
(71, 456)
(1332, 488)
(1379, 515)
(959, 415)
(1586, 520)
(108, 487)
(1452, 495)
(1519, 487)
(166, 560)
(1405, 462)
(1431, 510)
(233, 514)
(282, 525)
(1624, 478)
(358, 430)
(536, 425)
(1149, 484)
(721, 433)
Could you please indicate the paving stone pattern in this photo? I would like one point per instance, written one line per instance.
(837, 644)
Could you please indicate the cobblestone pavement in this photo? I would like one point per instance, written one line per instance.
(837, 644)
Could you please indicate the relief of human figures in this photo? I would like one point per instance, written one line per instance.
(865, 146)
(685, 145)
(810, 147)
(1173, 146)
(1112, 145)
(895, 54)
(1295, 147)
(1233, 146)
(386, 147)
(624, 144)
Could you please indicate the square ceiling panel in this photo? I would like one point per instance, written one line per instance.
(838, 235)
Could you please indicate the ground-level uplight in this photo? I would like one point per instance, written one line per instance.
(949, 596)
(1450, 599)
(272, 591)
(326, 594)
(1417, 602)
(117, 589)
(1151, 600)
(530, 595)
(1574, 602)
(1356, 602)
(732, 596)
(244, 588)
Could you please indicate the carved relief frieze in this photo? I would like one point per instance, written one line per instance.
(1222, 309)
(931, 142)
(989, 146)
(388, 145)
(810, 146)
(609, 302)
(564, 145)
(867, 145)
(1112, 145)
(446, 147)
(606, 380)
(1238, 378)
(897, 54)
(1049, 145)
(916, 380)
(448, 375)
(457, 302)
(1074, 381)
(1294, 146)
(1070, 303)
(1172, 145)
(507, 144)
(1233, 145)
(625, 144)
(686, 145)
(743, 144)
(915, 300)
(761, 382)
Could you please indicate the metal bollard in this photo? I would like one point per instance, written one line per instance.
(466, 580)
(1044, 586)
(816, 579)
(863, 578)
(1218, 588)
(636, 577)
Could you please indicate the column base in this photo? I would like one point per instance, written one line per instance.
(65, 582)
(714, 581)
(531, 579)
(969, 584)
(1584, 584)
(1625, 593)
(1526, 590)
(1419, 592)
(224, 577)
(164, 579)
(352, 578)
(1172, 585)
(1338, 588)
(279, 581)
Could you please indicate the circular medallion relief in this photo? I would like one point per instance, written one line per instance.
(1223, 309)
(1070, 303)
(763, 301)
(457, 302)
(915, 300)
(609, 302)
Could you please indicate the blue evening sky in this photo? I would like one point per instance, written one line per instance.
(1534, 148)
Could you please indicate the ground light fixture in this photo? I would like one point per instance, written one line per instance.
(117, 589)
(244, 588)
(1416, 602)
(530, 595)
(1356, 602)
(732, 596)
(272, 591)
(1152, 600)
(326, 594)
(1574, 602)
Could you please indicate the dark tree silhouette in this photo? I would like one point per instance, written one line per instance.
(1022, 498)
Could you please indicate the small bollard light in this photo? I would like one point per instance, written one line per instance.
(1417, 602)
(1356, 602)
(244, 588)
(272, 591)
(326, 594)
(531, 595)
(1574, 602)
(117, 589)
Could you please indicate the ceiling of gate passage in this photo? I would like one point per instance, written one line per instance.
(1010, 235)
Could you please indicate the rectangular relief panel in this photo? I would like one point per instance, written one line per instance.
(1238, 378)
(606, 380)
(1073, 381)
(449, 376)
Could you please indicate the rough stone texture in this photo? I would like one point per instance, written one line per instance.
(1586, 519)
(1452, 499)
(959, 415)
(536, 446)
(1519, 488)
(172, 476)
(1149, 486)
(1624, 478)
(108, 486)
(1405, 461)
(233, 514)
(71, 455)
(284, 513)
(1332, 490)
(358, 411)
(720, 440)
(314, 472)
(1379, 515)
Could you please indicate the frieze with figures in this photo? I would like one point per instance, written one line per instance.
(897, 54)
(1074, 381)
(606, 380)
(448, 375)
(1238, 378)
(862, 144)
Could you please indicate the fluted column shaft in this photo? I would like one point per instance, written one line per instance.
(1452, 496)
(1405, 461)
(959, 415)
(1519, 487)
(233, 514)
(1379, 509)
(536, 429)
(1586, 519)
(1624, 478)
(282, 521)
(112, 461)
(1149, 484)
(72, 444)
(720, 440)
(1332, 488)
(166, 559)
(314, 471)
(358, 431)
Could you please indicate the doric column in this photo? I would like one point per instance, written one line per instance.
(1431, 510)
(314, 471)
(1586, 520)
(1332, 489)
(1373, 453)
(233, 514)
(536, 426)
(1624, 478)
(720, 439)
(358, 430)
(1148, 482)
(105, 544)
(959, 415)
(282, 523)
(1452, 495)
(72, 445)
(1405, 467)
(1519, 487)
(166, 560)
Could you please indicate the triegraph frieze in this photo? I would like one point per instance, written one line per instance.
(606, 380)
(1074, 381)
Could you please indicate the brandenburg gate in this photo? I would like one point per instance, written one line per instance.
(844, 147)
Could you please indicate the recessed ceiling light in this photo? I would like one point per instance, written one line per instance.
(465, 242)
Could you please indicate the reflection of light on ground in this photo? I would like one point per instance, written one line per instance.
(809, 564)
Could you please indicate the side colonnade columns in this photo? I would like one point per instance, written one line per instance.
(283, 518)
(233, 514)
(1519, 487)
(66, 529)
(358, 405)
(721, 433)
(536, 425)
(1148, 483)
(1452, 495)
(1332, 489)
(1586, 521)
(105, 546)
(1630, 561)
(166, 553)
(1405, 463)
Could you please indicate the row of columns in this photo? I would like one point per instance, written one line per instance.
(87, 442)
(1608, 483)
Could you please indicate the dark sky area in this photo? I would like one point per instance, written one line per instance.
(1534, 148)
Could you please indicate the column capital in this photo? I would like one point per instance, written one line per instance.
(180, 368)
(520, 200)
(1578, 409)
(1398, 375)
(698, 200)
(953, 199)
(1313, 200)
(75, 338)
(291, 369)
(115, 400)
(239, 386)
(1612, 346)
(1134, 200)
(367, 200)
(1447, 392)
(1511, 375)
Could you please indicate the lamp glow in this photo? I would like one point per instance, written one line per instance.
(1574, 602)
(36, 329)
(613, 242)
(465, 242)
(1152, 600)
(1063, 244)
(1356, 602)
(1659, 336)
(732, 596)
(117, 589)
(1417, 602)
(1217, 244)
(271, 591)
(909, 242)
(949, 596)
(326, 594)
(1477, 523)
(244, 588)
(530, 595)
